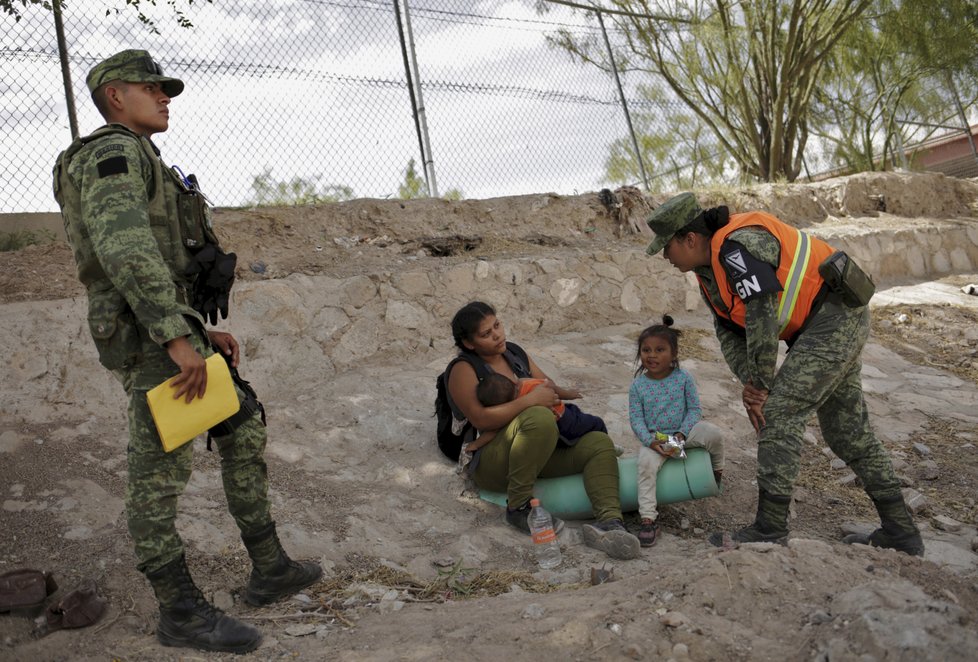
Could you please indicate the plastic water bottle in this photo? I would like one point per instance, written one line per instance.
(545, 543)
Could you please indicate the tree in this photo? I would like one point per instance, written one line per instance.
(679, 151)
(10, 8)
(748, 70)
(296, 191)
(413, 186)
(893, 74)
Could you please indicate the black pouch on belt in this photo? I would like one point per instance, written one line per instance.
(846, 279)
(249, 406)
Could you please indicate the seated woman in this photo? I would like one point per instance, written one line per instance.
(521, 440)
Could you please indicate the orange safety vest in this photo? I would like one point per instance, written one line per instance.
(797, 272)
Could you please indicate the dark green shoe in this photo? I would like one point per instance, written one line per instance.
(274, 575)
(187, 620)
(770, 524)
(911, 544)
(898, 530)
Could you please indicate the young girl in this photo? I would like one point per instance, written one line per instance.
(663, 398)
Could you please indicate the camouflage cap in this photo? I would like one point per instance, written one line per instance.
(132, 66)
(669, 218)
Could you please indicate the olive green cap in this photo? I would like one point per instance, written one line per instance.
(669, 218)
(132, 66)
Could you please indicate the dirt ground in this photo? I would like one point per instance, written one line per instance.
(417, 567)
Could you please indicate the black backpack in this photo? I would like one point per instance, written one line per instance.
(446, 412)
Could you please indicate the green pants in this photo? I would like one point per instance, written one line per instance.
(821, 376)
(526, 449)
(157, 478)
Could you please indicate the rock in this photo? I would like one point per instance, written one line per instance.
(680, 651)
(673, 619)
(533, 611)
(929, 470)
(301, 629)
(223, 600)
(862, 528)
(898, 463)
(684, 524)
(810, 546)
(818, 617)
(633, 652)
(837, 464)
(921, 449)
(916, 501)
(849, 479)
(905, 480)
(945, 523)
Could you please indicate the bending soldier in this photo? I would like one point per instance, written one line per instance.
(766, 281)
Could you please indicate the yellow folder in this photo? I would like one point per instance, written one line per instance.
(178, 421)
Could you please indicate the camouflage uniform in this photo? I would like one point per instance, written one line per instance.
(820, 375)
(132, 222)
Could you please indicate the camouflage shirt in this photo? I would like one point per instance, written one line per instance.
(127, 241)
(752, 357)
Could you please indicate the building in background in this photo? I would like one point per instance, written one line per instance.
(952, 153)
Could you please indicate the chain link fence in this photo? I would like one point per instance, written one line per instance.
(310, 100)
(314, 100)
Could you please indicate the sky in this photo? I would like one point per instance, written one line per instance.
(315, 89)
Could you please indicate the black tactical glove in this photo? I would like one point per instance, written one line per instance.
(214, 270)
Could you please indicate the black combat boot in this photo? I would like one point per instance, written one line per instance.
(274, 575)
(770, 525)
(898, 530)
(188, 620)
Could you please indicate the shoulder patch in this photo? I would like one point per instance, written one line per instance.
(114, 165)
(735, 262)
(748, 276)
(108, 149)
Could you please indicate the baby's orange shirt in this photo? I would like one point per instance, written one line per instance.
(527, 384)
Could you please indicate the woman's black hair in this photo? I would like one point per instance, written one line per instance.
(664, 331)
(706, 223)
(467, 319)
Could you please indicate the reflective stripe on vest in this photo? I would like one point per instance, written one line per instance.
(792, 287)
(797, 271)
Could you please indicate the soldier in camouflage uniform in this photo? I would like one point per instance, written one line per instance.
(761, 279)
(140, 233)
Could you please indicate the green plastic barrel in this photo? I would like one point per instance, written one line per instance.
(678, 480)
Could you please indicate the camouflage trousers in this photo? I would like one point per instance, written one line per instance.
(158, 478)
(821, 376)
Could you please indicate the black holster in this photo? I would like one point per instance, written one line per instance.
(249, 406)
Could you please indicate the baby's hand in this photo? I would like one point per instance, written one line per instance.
(571, 394)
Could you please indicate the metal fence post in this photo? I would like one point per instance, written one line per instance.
(429, 162)
(624, 103)
(410, 85)
(59, 30)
